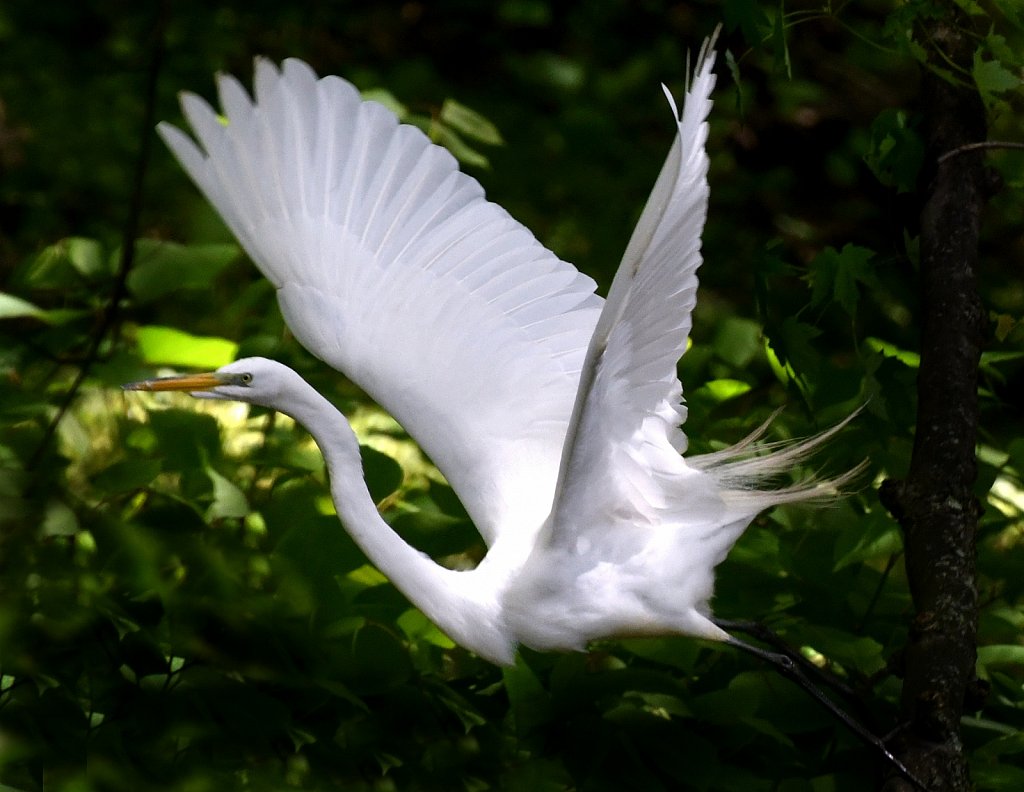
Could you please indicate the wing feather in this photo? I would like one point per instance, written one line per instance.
(622, 449)
(392, 267)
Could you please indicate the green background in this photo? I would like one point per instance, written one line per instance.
(179, 608)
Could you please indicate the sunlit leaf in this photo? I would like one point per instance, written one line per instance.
(367, 576)
(166, 346)
(470, 123)
(454, 142)
(1004, 654)
(12, 307)
(906, 357)
(384, 97)
(228, 499)
(724, 389)
(419, 627)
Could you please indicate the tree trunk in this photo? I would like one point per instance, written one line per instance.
(935, 505)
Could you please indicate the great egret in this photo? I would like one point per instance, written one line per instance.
(555, 416)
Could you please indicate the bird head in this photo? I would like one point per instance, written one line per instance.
(254, 380)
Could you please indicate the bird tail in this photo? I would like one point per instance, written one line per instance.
(745, 471)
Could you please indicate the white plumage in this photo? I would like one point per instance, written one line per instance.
(554, 415)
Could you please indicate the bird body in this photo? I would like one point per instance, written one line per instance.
(554, 415)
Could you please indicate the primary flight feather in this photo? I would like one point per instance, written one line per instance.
(555, 416)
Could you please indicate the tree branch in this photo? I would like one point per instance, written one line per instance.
(935, 505)
(985, 145)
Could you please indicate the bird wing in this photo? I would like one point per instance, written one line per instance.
(392, 267)
(622, 455)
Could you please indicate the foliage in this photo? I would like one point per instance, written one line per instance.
(179, 608)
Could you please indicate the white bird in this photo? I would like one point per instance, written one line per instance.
(554, 415)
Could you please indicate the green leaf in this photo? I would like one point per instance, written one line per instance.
(896, 152)
(185, 440)
(1009, 742)
(992, 78)
(530, 702)
(470, 123)
(228, 500)
(780, 44)
(792, 345)
(86, 256)
(997, 777)
(383, 96)
(383, 474)
(12, 307)
(748, 16)
(367, 576)
(416, 626)
(165, 267)
(740, 701)
(165, 346)
(861, 652)
(463, 152)
(68, 263)
(878, 538)
(379, 660)
(1005, 324)
(737, 341)
(721, 390)
(838, 275)
(1001, 654)
(127, 475)
(734, 72)
(904, 356)
(59, 520)
(1013, 10)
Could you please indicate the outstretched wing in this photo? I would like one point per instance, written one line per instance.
(623, 446)
(392, 267)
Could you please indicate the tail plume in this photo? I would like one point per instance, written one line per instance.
(746, 470)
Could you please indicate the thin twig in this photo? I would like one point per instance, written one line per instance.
(794, 667)
(985, 144)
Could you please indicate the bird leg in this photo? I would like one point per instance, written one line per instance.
(791, 668)
(766, 635)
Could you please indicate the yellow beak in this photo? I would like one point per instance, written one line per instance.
(187, 382)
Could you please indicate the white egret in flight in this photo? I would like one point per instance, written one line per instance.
(554, 415)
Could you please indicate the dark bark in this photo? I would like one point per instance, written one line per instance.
(935, 504)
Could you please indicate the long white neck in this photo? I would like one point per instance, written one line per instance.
(461, 604)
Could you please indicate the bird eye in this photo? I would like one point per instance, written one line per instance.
(245, 378)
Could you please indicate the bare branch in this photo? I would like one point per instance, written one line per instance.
(985, 144)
